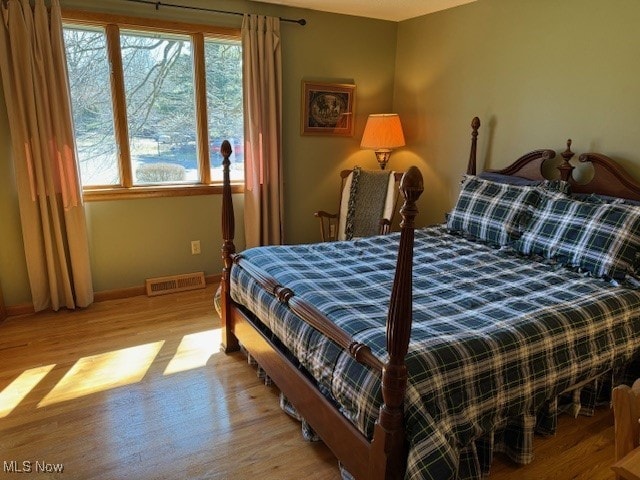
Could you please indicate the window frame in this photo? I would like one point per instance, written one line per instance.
(112, 25)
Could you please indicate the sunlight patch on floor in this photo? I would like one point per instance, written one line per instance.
(194, 351)
(17, 390)
(104, 371)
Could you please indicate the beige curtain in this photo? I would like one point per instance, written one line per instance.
(36, 91)
(262, 72)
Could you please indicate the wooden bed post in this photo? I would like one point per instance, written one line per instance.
(229, 340)
(388, 453)
(565, 167)
(475, 125)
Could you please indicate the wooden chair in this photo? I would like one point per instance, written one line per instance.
(626, 411)
(333, 226)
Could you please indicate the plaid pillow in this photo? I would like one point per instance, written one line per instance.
(553, 185)
(558, 186)
(595, 198)
(492, 212)
(601, 238)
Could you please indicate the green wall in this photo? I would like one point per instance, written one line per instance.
(131, 240)
(536, 72)
(338, 48)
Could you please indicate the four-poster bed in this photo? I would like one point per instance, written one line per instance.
(496, 335)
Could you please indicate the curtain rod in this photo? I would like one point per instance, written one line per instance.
(301, 21)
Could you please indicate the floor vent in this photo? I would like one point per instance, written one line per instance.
(175, 283)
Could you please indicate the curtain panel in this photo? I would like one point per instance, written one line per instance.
(262, 77)
(36, 91)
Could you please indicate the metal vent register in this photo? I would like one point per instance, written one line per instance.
(174, 283)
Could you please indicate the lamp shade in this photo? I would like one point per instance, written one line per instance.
(383, 131)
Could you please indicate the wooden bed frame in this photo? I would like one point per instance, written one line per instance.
(384, 457)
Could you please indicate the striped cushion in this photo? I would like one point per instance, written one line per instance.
(492, 212)
(602, 238)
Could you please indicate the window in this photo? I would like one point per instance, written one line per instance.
(152, 104)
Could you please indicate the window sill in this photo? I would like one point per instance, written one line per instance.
(155, 191)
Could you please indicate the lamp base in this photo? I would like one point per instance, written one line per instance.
(383, 157)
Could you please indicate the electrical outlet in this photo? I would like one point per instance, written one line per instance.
(195, 247)
(332, 230)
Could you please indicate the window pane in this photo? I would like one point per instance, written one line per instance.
(223, 64)
(91, 103)
(159, 91)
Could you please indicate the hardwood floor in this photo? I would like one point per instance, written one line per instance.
(136, 388)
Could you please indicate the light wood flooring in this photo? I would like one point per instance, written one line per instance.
(136, 389)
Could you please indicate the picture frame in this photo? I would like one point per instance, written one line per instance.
(328, 108)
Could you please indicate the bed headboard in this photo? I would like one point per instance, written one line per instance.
(608, 177)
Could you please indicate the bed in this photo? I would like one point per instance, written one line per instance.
(419, 354)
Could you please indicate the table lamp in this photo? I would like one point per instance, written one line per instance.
(383, 133)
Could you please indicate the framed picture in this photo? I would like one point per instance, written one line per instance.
(328, 108)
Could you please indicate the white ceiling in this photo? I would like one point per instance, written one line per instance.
(395, 10)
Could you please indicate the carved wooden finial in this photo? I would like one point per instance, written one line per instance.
(565, 167)
(411, 186)
(567, 154)
(471, 166)
(475, 125)
(225, 149)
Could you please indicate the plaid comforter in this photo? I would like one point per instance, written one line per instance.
(495, 338)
